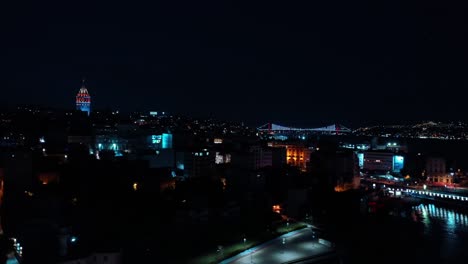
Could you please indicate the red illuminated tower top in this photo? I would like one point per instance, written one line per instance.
(83, 99)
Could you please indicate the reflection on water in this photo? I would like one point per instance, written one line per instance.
(446, 228)
(450, 220)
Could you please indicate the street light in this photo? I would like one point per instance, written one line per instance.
(221, 252)
(284, 244)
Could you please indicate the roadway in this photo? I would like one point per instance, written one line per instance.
(287, 248)
(417, 190)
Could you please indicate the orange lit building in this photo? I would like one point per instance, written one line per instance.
(48, 177)
(167, 184)
(277, 208)
(296, 155)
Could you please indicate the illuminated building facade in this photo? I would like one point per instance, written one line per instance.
(398, 163)
(436, 172)
(221, 158)
(378, 161)
(83, 100)
(298, 156)
(113, 143)
(381, 161)
(295, 155)
(162, 141)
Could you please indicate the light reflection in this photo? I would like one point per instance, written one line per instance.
(451, 222)
(451, 219)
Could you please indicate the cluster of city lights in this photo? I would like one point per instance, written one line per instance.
(17, 246)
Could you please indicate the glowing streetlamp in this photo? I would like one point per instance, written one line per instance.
(284, 244)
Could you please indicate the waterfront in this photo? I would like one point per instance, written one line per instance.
(446, 231)
(428, 234)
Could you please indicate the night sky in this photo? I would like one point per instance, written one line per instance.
(304, 64)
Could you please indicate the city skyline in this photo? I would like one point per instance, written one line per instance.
(206, 132)
(305, 64)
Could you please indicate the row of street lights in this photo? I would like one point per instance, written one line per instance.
(251, 252)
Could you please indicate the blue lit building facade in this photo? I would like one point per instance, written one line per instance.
(112, 143)
(162, 141)
(381, 161)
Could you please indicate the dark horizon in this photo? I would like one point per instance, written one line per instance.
(354, 125)
(298, 64)
(302, 124)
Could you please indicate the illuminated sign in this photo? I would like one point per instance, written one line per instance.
(361, 160)
(398, 163)
(155, 139)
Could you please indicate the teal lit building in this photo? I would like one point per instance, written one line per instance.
(162, 141)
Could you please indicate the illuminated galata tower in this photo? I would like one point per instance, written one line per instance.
(83, 100)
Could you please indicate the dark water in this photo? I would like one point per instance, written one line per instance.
(425, 233)
(446, 230)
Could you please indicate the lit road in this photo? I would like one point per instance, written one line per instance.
(297, 245)
(421, 191)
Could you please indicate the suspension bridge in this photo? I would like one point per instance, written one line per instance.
(335, 129)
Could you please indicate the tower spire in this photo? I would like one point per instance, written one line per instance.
(83, 82)
(83, 99)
